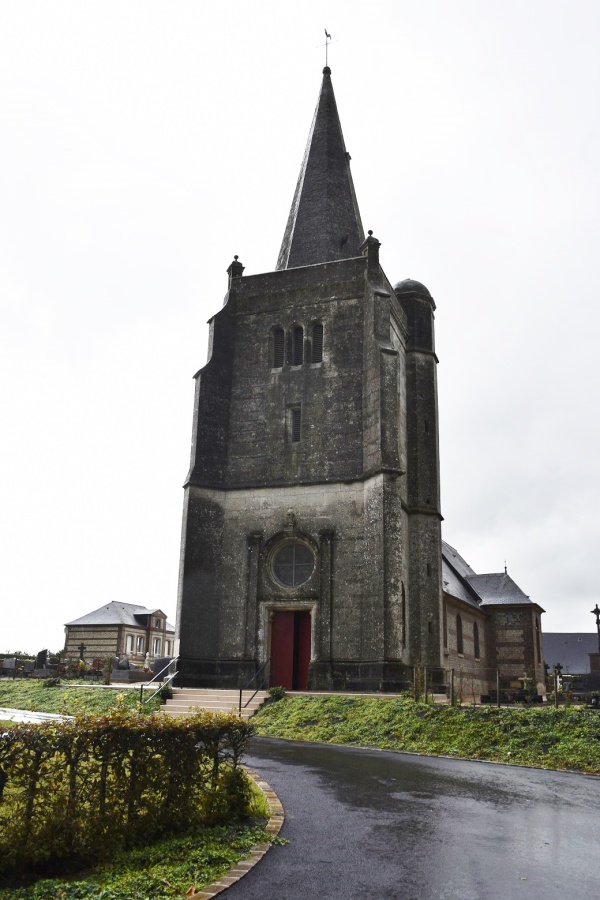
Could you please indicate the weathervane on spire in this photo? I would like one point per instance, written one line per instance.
(327, 40)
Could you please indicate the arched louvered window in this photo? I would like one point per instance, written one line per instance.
(460, 648)
(476, 640)
(278, 348)
(317, 342)
(298, 346)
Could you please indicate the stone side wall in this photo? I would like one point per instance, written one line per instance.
(514, 630)
(473, 676)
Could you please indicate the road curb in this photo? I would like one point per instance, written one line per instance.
(242, 868)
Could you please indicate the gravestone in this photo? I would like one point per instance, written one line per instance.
(9, 666)
(159, 664)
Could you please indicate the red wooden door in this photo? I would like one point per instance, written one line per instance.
(290, 649)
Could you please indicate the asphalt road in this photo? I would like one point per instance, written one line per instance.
(375, 824)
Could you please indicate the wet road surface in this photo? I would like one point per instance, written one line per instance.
(375, 824)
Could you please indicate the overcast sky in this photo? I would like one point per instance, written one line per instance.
(143, 144)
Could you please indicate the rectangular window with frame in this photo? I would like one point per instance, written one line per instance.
(139, 644)
(129, 643)
(294, 423)
(156, 647)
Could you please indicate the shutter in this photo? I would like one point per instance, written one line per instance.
(317, 343)
(296, 421)
(278, 347)
(298, 349)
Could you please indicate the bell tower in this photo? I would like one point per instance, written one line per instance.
(311, 528)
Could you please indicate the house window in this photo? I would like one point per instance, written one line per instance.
(156, 647)
(129, 643)
(278, 339)
(139, 644)
(293, 564)
(476, 640)
(317, 343)
(298, 346)
(167, 648)
(294, 422)
(157, 623)
(459, 636)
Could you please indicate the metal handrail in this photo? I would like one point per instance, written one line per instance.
(261, 684)
(155, 678)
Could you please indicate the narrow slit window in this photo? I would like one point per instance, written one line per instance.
(293, 423)
(459, 635)
(278, 347)
(317, 343)
(298, 346)
(296, 422)
(476, 640)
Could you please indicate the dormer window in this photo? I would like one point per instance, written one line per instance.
(157, 623)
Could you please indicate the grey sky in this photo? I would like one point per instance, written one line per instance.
(142, 144)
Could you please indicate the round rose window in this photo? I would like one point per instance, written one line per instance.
(293, 564)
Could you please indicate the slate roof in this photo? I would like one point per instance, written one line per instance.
(495, 589)
(116, 613)
(498, 589)
(453, 567)
(570, 649)
(324, 222)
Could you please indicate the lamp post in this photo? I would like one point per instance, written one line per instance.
(596, 612)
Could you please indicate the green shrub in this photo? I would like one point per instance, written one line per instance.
(75, 791)
(277, 692)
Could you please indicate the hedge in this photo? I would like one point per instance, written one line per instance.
(72, 792)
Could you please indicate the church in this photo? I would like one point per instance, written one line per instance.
(311, 542)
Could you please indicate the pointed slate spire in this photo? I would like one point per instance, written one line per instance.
(324, 222)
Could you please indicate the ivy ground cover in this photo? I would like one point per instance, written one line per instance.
(547, 738)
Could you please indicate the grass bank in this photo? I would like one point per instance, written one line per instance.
(67, 699)
(166, 869)
(548, 738)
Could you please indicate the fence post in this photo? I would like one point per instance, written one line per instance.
(451, 687)
(498, 688)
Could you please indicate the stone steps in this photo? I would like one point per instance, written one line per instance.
(186, 700)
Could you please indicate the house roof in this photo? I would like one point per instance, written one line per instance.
(324, 222)
(570, 649)
(116, 613)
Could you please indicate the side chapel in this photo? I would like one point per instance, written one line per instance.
(312, 527)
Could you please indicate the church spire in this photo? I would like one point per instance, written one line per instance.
(324, 222)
